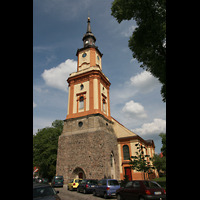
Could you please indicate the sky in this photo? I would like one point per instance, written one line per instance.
(58, 29)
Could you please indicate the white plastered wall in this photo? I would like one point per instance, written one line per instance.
(104, 91)
(96, 98)
(85, 59)
(77, 89)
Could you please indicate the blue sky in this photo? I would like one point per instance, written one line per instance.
(58, 29)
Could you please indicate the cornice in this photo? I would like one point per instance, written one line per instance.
(87, 76)
(135, 138)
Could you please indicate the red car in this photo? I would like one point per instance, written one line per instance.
(141, 190)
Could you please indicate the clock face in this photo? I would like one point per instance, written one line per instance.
(98, 57)
(86, 41)
(84, 55)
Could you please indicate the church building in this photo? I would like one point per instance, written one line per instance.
(93, 144)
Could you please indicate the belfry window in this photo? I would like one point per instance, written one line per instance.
(81, 102)
(104, 105)
(126, 152)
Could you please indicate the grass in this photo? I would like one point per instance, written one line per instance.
(161, 181)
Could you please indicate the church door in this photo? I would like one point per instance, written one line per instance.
(80, 175)
(128, 173)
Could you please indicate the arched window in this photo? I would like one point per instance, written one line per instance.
(126, 152)
(111, 158)
(81, 102)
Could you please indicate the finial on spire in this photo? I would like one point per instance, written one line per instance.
(88, 26)
(88, 16)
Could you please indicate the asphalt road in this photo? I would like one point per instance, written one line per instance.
(65, 194)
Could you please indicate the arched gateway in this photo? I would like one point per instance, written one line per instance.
(78, 173)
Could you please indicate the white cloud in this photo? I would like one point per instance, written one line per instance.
(40, 89)
(39, 49)
(129, 31)
(133, 59)
(144, 82)
(56, 76)
(140, 83)
(34, 105)
(134, 110)
(153, 128)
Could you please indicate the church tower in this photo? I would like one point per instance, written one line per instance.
(87, 147)
(93, 144)
(88, 86)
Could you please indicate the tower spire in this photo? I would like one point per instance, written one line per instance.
(89, 38)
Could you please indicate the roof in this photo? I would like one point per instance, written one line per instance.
(120, 130)
(149, 141)
(89, 32)
(37, 185)
(124, 134)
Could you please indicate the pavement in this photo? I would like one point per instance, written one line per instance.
(65, 194)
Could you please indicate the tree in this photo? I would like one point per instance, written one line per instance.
(139, 163)
(163, 149)
(159, 162)
(45, 145)
(148, 41)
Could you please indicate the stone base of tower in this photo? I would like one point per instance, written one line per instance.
(86, 149)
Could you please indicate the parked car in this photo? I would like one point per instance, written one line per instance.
(45, 180)
(86, 185)
(44, 192)
(73, 184)
(38, 180)
(141, 190)
(106, 188)
(57, 181)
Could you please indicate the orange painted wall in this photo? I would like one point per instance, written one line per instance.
(92, 57)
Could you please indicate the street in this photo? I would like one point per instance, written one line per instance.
(65, 194)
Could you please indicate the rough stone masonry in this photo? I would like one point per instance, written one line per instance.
(86, 144)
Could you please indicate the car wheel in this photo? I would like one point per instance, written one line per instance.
(94, 193)
(78, 190)
(84, 191)
(141, 198)
(105, 195)
(119, 197)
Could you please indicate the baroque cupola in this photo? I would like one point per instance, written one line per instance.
(89, 39)
(89, 55)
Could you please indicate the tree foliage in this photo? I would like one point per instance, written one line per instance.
(148, 41)
(45, 145)
(159, 162)
(163, 148)
(139, 163)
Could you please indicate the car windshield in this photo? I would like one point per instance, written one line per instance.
(59, 178)
(43, 191)
(93, 182)
(113, 182)
(150, 184)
